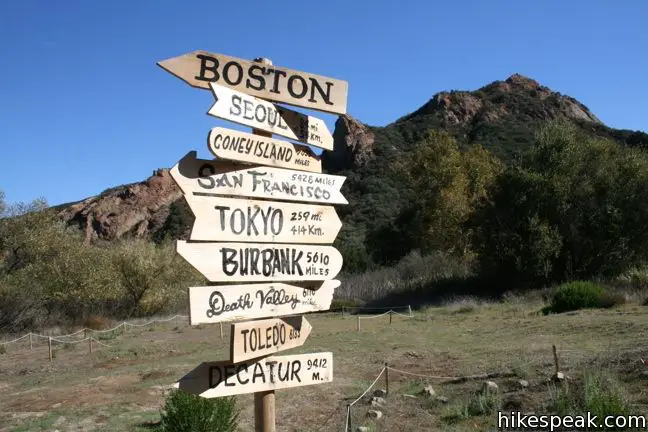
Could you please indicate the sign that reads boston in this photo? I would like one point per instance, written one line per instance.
(265, 337)
(279, 84)
(216, 379)
(225, 262)
(212, 304)
(225, 178)
(244, 147)
(232, 219)
(257, 113)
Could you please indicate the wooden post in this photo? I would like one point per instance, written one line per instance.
(264, 402)
(390, 317)
(350, 420)
(387, 377)
(555, 354)
(49, 343)
(221, 329)
(30, 342)
(410, 309)
(90, 345)
(358, 323)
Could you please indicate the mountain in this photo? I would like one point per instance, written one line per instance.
(502, 116)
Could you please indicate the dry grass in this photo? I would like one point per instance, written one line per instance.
(122, 388)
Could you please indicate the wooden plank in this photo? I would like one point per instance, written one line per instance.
(245, 147)
(251, 262)
(229, 303)
(257, 113)
(225, 178)
(243, 220)
(275, 83)
(256, 339)
(223, 378)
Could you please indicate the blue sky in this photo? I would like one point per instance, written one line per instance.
(84, 107)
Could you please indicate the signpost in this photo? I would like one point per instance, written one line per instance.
(275, 83)
(272, 258)
(232, 219)
(265, 337)
(256, 149)
(225, 178)
(247, 110)
(212, 304)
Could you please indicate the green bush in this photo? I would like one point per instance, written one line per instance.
(184, 412)
(581, 295)
(344, 303)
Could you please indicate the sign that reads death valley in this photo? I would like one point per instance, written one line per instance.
(257, 113)
(279, 84)
(217, 379)
(257, 149)
(212, 304)
(249, 262)
(242, 220)
(225, 178)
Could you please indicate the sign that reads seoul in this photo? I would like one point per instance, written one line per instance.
(275, 83)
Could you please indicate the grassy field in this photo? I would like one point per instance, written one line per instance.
(121, 387)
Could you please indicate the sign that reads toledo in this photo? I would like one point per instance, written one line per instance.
(276, 255)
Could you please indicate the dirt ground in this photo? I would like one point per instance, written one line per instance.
(120, 387)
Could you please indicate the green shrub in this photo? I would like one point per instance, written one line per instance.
(344, 303)
(184, 412)
(581, 295)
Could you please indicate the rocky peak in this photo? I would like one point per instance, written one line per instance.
(353, 144)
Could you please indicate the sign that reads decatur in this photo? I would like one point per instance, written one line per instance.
(265, 337)
(257, 113)
(216, 379)
(225, 178)
(212, 304)
(225, 262)
(232, 219)
(275, 83)
(257, 149)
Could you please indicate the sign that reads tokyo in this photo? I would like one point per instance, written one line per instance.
(216, 379)
(257, 113)
(212, 304)
(225, 178)
(250, 262)
(244, 147)
(265, 337)
(275, 83)
(232, 219)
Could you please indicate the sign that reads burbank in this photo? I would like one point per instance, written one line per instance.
(275, 83)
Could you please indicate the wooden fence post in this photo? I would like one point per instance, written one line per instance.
(390, 317)
(90, 345)
(358, 323)
(410, 309)
(221, 329)
(555, 355)
(49, 343)
(30, 342)
(387, 377)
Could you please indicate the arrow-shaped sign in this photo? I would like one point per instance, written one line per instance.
(242, 220)
(216, 379)
(225, 178)
(257, 149)
(276, 83)
(256, 339)
(251, 262)
(247, 110)
(212, 304)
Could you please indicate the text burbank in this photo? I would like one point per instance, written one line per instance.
(270, 261)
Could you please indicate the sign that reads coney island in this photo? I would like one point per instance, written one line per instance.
(274, 83)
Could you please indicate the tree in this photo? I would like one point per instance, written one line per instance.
(574, 207)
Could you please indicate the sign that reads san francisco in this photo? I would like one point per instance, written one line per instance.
(257, 149)
(275, 83)
(228, 262)
(217, 379)
(212, 304)
(265, 337)
(232, 219)
(257, 113)
(225, 178)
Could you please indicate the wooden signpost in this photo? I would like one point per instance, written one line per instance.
(212, 304)
(226, 178)
(247, 110)
(255, 149)
(275, 83)
(264, 224)
(232, 219)
(255, 339)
